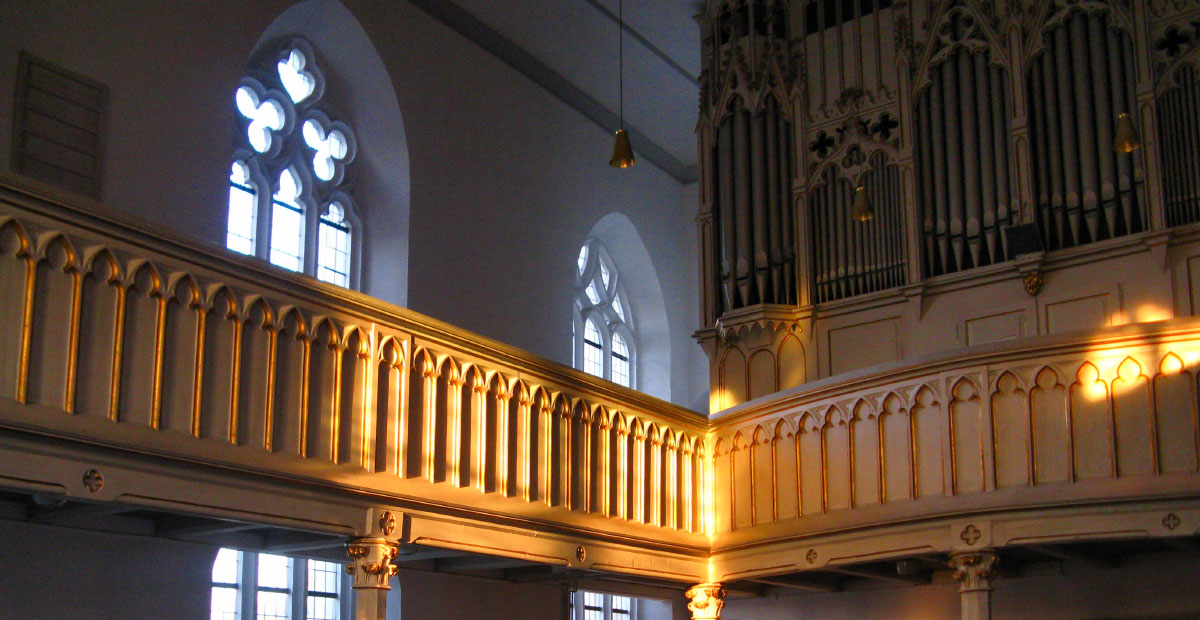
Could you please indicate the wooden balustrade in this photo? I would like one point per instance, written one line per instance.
(1048, 421)
(129, 339)
(103, 320)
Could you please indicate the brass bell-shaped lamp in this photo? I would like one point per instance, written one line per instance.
(862, 211)
(1126, 140)
(622, 152)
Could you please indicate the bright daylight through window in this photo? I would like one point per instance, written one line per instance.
(262, 586)
(602, 327)
(288, 198)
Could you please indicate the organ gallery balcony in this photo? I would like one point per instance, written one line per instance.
(162, 376)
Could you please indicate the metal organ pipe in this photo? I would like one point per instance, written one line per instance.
(724, 195)
(741, 201)
(758, 207)
(1179, 114)
(1079, 82)
(962, 162)
(752, 190)
(774, 252)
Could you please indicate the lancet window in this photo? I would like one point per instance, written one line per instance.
(289, 200)
(602, 325)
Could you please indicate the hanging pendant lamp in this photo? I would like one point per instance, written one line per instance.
(862, 210)
(622, 153)
(1126, 140)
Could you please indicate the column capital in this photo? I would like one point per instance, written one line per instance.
(371, 562)
(706, 601)
(974, 569)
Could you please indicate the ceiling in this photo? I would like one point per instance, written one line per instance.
(570, 48)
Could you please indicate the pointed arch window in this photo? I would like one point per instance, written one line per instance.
(603, 331)
(289, 199)
(243, 210)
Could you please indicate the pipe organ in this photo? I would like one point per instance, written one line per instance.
(750, 155)
(966, 122)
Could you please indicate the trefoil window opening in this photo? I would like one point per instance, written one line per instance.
(287, 136)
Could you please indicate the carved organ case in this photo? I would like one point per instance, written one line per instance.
(962, 121)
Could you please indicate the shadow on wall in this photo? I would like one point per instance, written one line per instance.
(361, 90)
(645, 300)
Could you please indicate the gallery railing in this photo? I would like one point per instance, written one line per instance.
(103, 320)
(1071, 419)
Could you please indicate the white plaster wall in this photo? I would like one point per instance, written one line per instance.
(1142, 587)
(55, 573)
(506, 180)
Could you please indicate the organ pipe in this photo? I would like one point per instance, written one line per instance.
(750, 178)
(854, 258)
(1179, 117)
(962, 151)
(1078, 84)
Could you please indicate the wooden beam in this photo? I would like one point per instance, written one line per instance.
(294, 542)
(422, 554)
(477, 563)
(878, 575)
(66, 513)
(1186, 545)
(192, 528)
(1098, 560)
(790, 584)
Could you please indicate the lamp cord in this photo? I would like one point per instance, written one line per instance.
(621, 62)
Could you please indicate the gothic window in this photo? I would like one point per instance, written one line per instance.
(288, 197)
(1080, 79)
(263, 586)
(602, 328)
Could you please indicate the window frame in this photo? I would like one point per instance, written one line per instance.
(602, 313)
(298, 587)
(288, 150)
(579, 610)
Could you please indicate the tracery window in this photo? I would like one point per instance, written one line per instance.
(288, 197)
(602, 330)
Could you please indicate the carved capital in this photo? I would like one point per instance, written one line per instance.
(371, 562)
(706, 601)
(974, 570)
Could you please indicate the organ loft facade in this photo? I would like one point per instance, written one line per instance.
(982, 137)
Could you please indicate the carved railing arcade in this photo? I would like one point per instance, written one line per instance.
(115, 336)
(938, 447)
